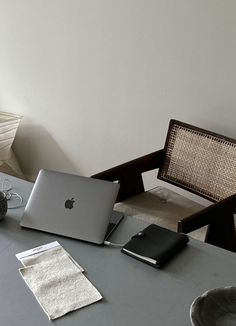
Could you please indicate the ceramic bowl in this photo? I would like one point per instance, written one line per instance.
(215, 307)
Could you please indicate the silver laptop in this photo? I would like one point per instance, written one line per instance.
(73, 206)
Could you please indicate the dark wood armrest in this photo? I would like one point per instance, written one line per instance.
(129, 174)
(220, 220)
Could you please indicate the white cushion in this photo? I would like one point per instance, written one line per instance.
(162, 206)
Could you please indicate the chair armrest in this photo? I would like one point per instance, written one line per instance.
(129, 174)
(220, 220)
(208, 215)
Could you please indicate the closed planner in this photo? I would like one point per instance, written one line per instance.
(155, 245)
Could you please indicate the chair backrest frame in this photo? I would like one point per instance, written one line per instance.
(199, 161)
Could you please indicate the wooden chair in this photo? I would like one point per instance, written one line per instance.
(193, 159)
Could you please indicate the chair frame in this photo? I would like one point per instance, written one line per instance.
(162, 173)
(219, 216)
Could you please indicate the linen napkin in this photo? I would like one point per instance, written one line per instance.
(47, 255)
(57, 282)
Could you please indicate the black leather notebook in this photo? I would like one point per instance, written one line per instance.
(155, 245)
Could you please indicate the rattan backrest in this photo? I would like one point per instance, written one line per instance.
(200, 161)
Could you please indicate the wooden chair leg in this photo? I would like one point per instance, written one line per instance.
(222, 233)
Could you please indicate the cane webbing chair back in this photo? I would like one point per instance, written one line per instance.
(200, 161)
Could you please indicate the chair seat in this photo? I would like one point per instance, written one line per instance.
(162, 206)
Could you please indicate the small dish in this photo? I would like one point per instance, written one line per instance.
(215, 307)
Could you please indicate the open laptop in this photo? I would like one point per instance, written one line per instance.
(72, 206)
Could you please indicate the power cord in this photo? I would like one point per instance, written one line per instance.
(10, 194)
(111, 244)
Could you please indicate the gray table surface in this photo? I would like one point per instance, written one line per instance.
(133, 293)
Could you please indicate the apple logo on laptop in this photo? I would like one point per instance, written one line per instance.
(69, 203)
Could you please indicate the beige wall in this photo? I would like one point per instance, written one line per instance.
(97, 81)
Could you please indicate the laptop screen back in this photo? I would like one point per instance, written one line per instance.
(70, 205)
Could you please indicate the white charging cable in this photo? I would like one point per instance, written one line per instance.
(111, 244)
(10, 194)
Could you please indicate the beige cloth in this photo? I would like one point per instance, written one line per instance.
(58, 282)
(163, 207)
(45, 256)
